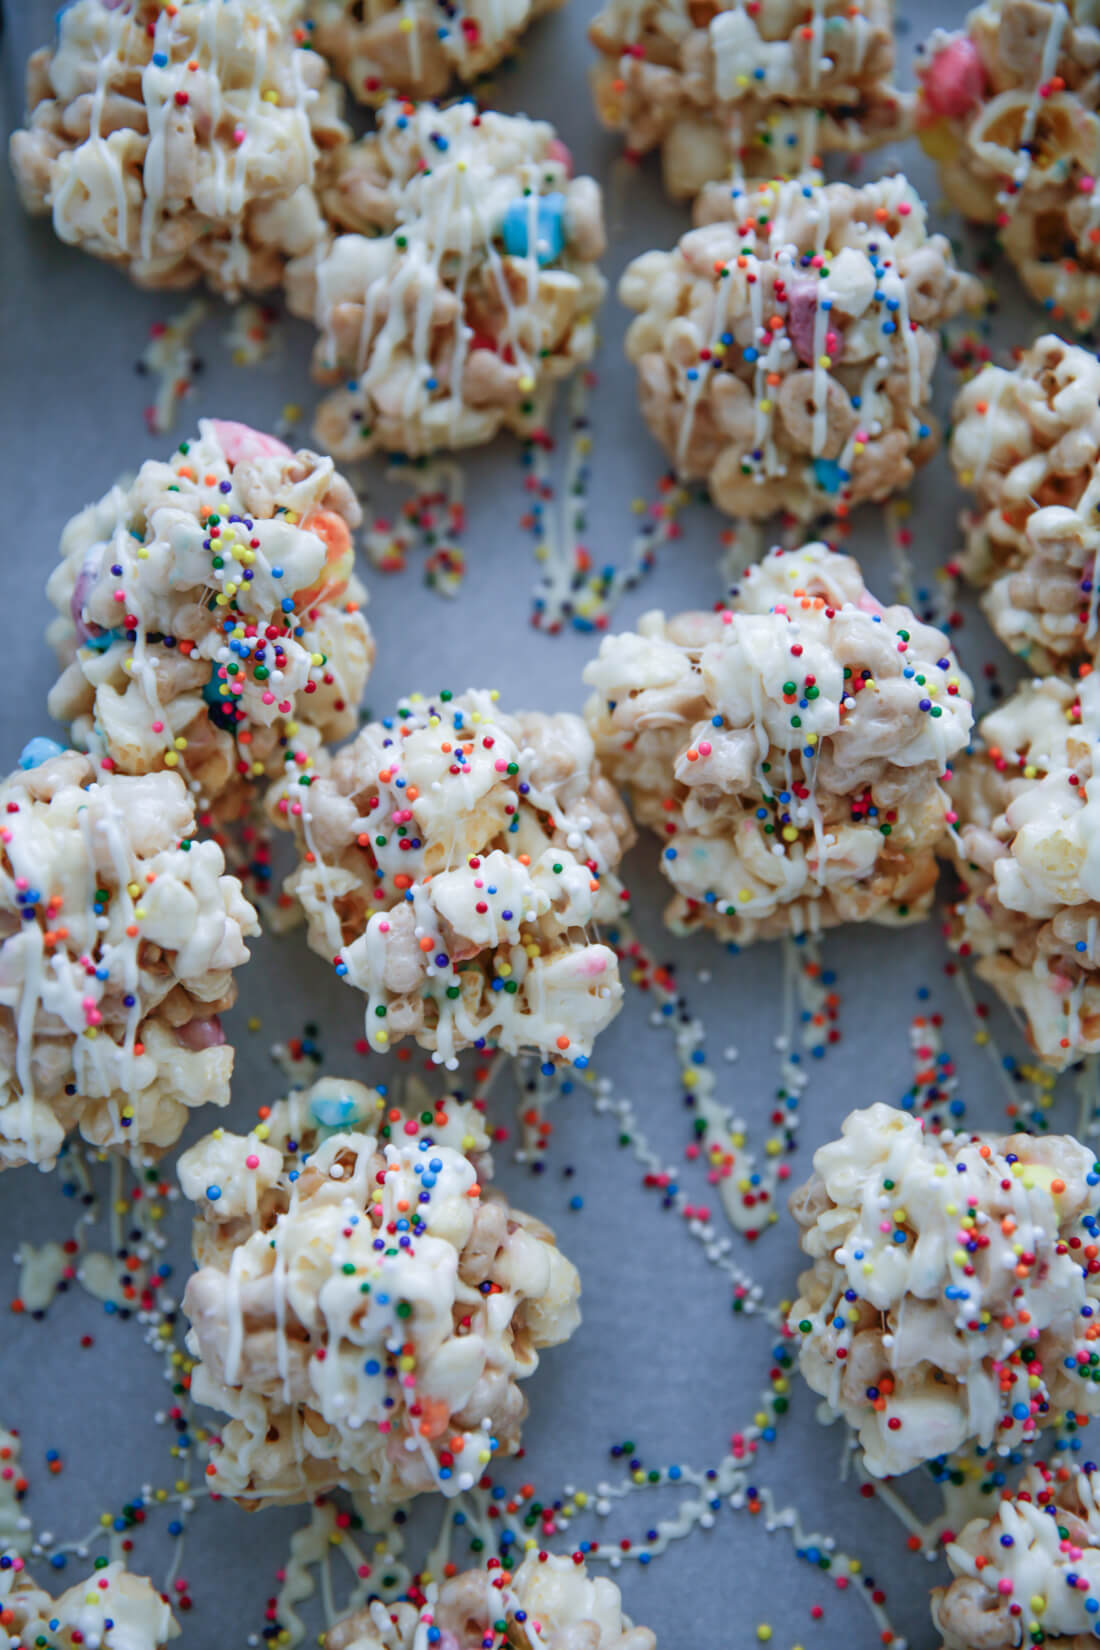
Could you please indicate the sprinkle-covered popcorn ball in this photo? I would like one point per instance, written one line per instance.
(789, 750)
(211, 617)
(761, 91)
(1031, 1571)
(953, 1294)
(181, 142)
(112, 1610)
(362, 1309)
(549, 1603)
(1027, 441)
(467, 288)
(785, 347)
(119, 934)
(453, 859)
(1028, 818)
(1008, 107)
(16, 1531)
(417, 48)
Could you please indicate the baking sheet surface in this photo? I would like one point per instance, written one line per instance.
(662, 1361)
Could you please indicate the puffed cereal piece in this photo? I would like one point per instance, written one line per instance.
(759, 91)
(950, 1299)
(1027, 442)
(300, 1293)
(381, 47)
(111, 1608)
(574, 1611)
(466, 286)
(452, 861)
(119, 934)
(1040, 1542)
(1009, 108)
(785, 347)
(210, 616)
(1028, 818)
(181, 143)
(788, 751)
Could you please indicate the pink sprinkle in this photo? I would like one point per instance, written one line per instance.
(252, 1161)
(383, 927)
(158, 727)
(1005, 1584)
(704, 747)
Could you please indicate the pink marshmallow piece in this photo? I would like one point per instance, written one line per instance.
(240, 443)
(954, 82)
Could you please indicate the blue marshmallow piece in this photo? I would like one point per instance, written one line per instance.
(212, 692)
(547, 214)
(334, 1111)
(39, 750)
(830, 475)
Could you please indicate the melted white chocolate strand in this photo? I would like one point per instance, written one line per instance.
(112, 1608)
(362, 1311)
(953, 1293)
(763, 89)
(453, 859)
(785, 347)
(119, 934)
(549, 1603)
(789, 750)
(467, 286)
(1033, 1568)
(184, 147)
(1027, 848)
(210, 619)
(414, 47)
(1009, 107)
(1027, 442)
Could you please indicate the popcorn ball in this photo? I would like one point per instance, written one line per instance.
(417, 48)
(1027, 441)
(549, 1603)
(182, 142)
(467, 288)
(785, 347)
(16, 1534)
(363, 1310)
(119, 934)
(210, 616)
(1008, 107)
(762, 90)
(953, 1288)
(111, 1609)
(453, 859)
(789, 750)
(1028, 821)
(1039, 1545)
